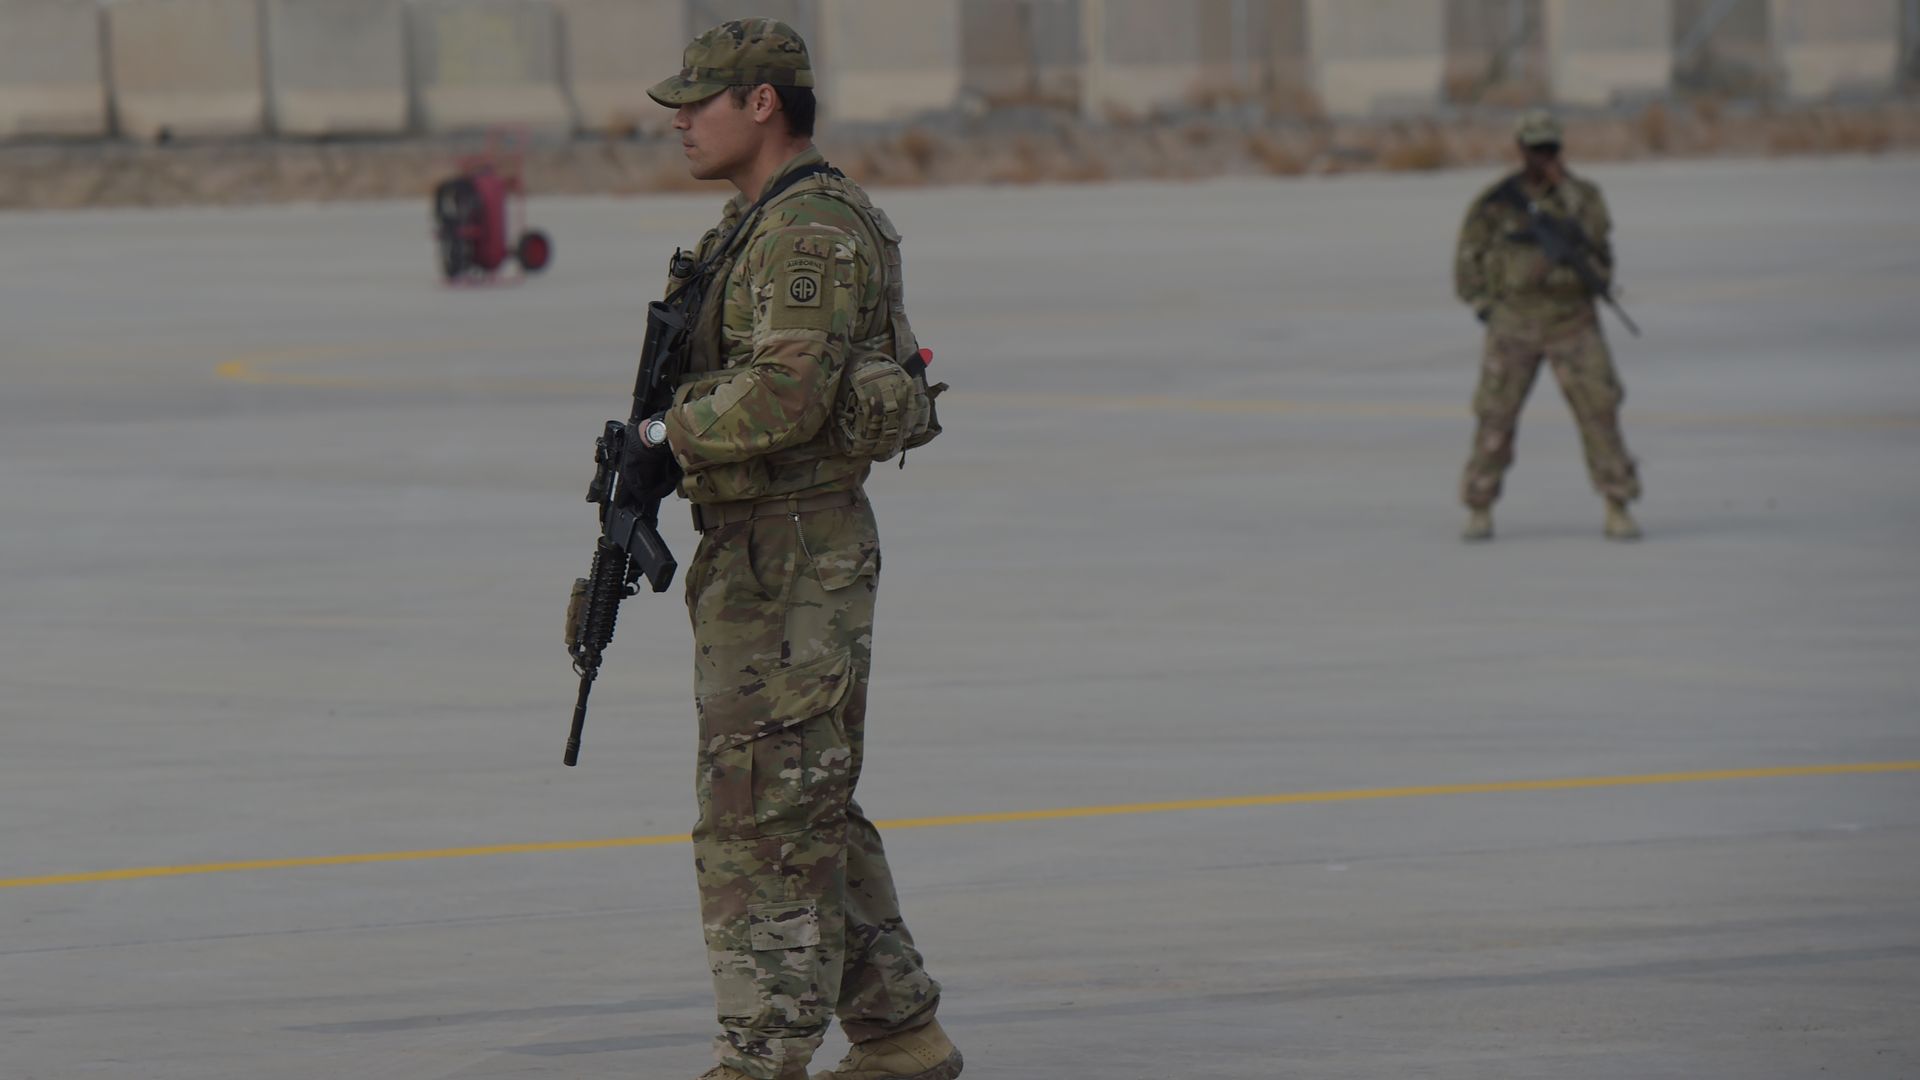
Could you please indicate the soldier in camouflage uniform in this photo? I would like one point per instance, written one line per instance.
(801, 920)
(1535, 310)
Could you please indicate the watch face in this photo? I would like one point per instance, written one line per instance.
(656, 432)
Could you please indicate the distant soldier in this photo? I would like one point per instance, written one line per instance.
(803, 372)
(1533, 257)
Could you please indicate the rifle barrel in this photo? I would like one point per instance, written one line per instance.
(572, 756)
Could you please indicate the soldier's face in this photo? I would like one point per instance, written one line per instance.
(1541, 158)
(718, 135)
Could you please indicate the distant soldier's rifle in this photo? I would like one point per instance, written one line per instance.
(1564, 243)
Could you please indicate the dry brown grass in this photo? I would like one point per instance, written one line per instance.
(1275, 155)
(1197, 135)
(1655, 127)
(921, 147)
(1295, 100)
(1065, 152)
(1415, 150)
(1833, 133)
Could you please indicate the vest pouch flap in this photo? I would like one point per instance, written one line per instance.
(880, 407)
(776, 700)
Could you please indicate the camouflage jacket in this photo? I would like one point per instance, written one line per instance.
(803, 292)
(1495, 269)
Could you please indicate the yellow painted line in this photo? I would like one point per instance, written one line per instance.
(1003, 817)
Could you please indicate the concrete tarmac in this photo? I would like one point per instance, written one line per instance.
(288, 530)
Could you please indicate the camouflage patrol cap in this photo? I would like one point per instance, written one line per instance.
(1537, 127)
(738, 52)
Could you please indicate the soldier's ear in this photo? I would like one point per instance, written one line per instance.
(765, 102)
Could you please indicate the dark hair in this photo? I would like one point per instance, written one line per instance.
(797, 102)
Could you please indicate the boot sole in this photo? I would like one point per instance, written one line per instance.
(946, 1070)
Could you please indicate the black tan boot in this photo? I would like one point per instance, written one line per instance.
(1479, 527)
(925, 1053)
(1620, 524)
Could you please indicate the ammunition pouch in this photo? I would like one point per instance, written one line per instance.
(882, 410)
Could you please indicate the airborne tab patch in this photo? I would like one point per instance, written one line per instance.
(801, 282)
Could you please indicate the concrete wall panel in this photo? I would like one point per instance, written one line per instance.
(51, 80)
(479, 63)
(615, 50)
(1281, 43)
(1018, 52)
(1496, 51)
(188, 68)
(1828, 47)
(802, 15)
(336, 67)
(886, 59)
(1141, 54)
(1598, 54)
(1723, 48)
(1375, 56)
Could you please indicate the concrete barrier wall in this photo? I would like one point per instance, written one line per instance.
(478, 63)
(887, 59)
(306, 68)
(1723, 49)
(1020, 52)
(1376, 56)
(1497, 51)
(336, 67)
(186, 68)
(1139, 54)
(1599, 54)
(1281, 37)
(1910, 41)
(51, 81)
(802, 15)
(1836, 47)
(615, 49)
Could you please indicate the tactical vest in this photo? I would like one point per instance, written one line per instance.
(883, 405)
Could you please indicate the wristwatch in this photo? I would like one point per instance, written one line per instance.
(653, 433)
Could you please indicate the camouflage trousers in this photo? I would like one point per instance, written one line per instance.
(802, 923)
(1584, 367)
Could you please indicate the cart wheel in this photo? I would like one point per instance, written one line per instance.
(535, 251)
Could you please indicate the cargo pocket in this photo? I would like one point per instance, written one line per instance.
(775, 982)
(843, 545)
(777, 927)
(776, 748)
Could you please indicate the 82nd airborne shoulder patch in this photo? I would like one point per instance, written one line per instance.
(802, 279)
(799, 293)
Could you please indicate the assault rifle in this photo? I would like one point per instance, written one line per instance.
(1563, 242)
(628, 489)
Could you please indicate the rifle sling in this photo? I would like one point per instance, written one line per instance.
(724, 251)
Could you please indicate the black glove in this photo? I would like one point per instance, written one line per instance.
(649, 467)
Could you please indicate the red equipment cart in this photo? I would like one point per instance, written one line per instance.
(478, 210)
